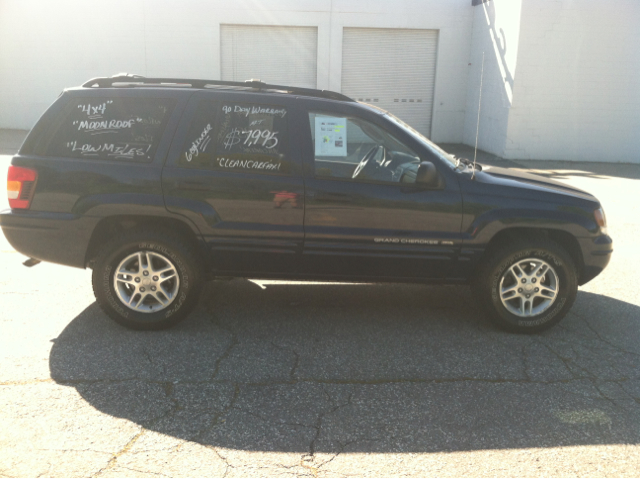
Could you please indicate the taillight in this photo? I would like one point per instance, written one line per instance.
(20, 186)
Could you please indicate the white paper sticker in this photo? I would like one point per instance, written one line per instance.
(331, 136)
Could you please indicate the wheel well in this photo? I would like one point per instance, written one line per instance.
(109, 227)
(564, 239)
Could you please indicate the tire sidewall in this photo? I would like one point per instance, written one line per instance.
(566, 291)
(105, 290)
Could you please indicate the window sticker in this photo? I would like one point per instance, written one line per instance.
(331, 136)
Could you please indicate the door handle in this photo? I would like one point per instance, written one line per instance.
(331, 197)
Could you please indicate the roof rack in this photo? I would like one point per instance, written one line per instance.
(104, 82)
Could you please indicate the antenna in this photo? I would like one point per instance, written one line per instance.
(475, 152)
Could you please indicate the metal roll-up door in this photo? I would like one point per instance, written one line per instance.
(394, 69)
(276, 55)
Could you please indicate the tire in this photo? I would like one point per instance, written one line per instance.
(127, 289)
(527, 286)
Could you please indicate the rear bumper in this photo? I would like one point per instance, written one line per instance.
(54, 237)
(596, 253)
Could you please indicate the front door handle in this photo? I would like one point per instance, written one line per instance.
(330, 197)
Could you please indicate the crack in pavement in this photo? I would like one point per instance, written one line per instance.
(310, 456)
(603, 395)
(216, 418)
(122, 451)
(27, 382)
(224, 459)
(572, 364)
(296, 359)
(599, 336)
(233, 342)
(567, 363)
(144, 472)
(315, 468)
(48, 473)
(168, 389)
(340, 451)
(71, 450)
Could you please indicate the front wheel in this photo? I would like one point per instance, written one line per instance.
(527, 286)
(147, 279)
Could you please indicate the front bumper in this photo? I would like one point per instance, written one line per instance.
(596, 254)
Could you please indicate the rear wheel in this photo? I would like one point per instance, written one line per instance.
(147, 279)
(527, 286)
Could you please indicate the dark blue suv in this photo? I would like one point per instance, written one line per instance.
(160, 184)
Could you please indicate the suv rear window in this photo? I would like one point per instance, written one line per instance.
(127, 129)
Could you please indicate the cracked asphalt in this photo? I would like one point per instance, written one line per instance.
(309, 379)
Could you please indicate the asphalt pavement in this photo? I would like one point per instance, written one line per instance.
(315, 379)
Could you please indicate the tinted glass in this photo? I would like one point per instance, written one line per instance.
(238, 137)
(352, 148)
(126, 129)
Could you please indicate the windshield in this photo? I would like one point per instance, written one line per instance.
(423, 139)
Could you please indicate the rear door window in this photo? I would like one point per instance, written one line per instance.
(241, 137)
(127, 129)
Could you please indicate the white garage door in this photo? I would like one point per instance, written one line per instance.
(276, 55)
(394, 69)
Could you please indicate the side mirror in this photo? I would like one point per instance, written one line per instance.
(427, 175)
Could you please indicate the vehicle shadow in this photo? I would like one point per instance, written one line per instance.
(326, 368)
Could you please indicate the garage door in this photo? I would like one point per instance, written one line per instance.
(394, 69)
(277, 55)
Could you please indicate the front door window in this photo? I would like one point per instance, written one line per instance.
(350, 148)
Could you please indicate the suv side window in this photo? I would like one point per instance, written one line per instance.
(355, 149)
(126, 129)
(230, 136)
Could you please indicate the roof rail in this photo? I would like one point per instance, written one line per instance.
(104, 82)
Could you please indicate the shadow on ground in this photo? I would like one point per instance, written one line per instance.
(330, 368)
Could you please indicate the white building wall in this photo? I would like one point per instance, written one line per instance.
(496, 35)
(48, 45)
(577, 87)
(45, 46)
